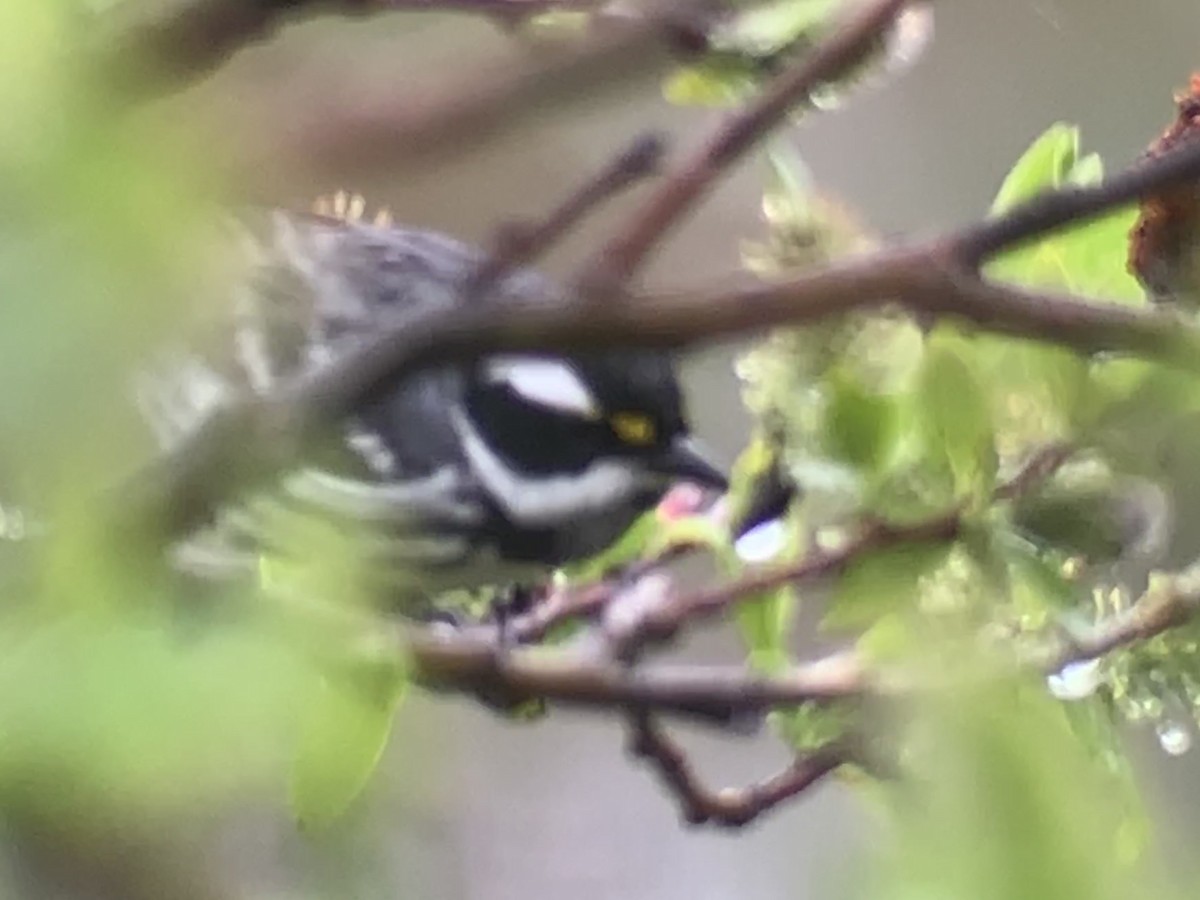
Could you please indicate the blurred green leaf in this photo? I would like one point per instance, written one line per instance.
(1134, 408)
(861, 426)
(813, 724)
(885, 581)
(1045, 165)
(347, 727)
(1039, 586)
(1035, 391)
(956, 417)
(1004, 803)
(766, 29)
(983, 543)
(121, 714)
(890, 638)
(1088, 170)
(715, 82)
(1095, 725)
(765, 624)
(740, 48)
(1088, 259)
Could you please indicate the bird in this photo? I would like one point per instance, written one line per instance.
(492, 472)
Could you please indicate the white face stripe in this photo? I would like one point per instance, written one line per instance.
(549, 500)
(550, 383)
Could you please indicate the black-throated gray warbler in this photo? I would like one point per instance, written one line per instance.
(476, 474)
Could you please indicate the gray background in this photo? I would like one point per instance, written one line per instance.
(468, 806)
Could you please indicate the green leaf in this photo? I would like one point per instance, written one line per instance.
(955, 416)
(921, 487)
(889, 639)
(346, 731)
(1094, 258)
(715, 82)
(734, 63)
(1133, 407)
(700, 531)
(1088, 259)
(883, 582)
(765, 624)
(812, 724)
(861, 426)
(788, 198)
(765, 621)
(1035, 390)
(1045, 165)
(983, 544)
(1087, 171)
(1039, 586)
(1003, 802)
(765, 30)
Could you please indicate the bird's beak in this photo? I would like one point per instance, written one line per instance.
(685, 459)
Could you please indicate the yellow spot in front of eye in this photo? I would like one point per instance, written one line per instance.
(633, 428)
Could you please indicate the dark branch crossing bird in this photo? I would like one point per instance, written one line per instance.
(488, 473)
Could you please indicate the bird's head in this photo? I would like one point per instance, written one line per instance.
(573, 449)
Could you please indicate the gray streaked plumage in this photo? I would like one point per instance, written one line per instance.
(452, 505)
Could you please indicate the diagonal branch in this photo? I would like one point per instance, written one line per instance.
(385, 118)
(1169, 602)
(1072, 206)
(517, 244)
(689, 180)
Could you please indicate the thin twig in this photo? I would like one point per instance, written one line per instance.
(385, 118)
(179, 42)
(664, 621)
(1169, 602)
(1040, 465)
(518, 244)
(729, 807)
(690, 179)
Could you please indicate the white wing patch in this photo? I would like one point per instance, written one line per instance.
(550, 383)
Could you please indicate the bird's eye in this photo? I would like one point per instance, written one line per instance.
(634, 428)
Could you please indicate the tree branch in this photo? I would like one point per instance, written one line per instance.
(180, 42)
(715, 694)
(1170, 601)
(386, 118)
(1072, 206)
(729, 807)
(689, 180)
(661, 622)
(518, 244)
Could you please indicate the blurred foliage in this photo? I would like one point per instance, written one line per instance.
(127, 696)
(1018, 790)
(759, 39)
